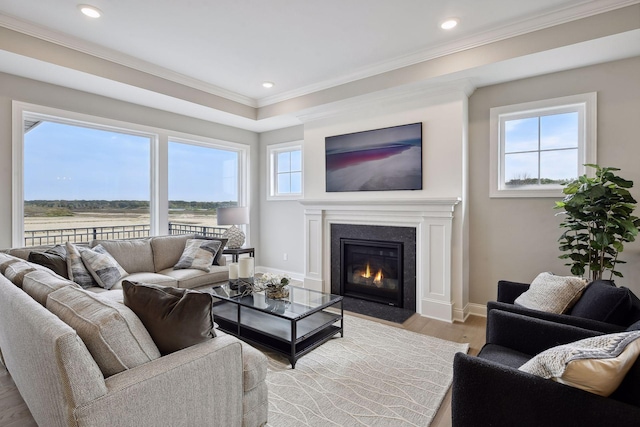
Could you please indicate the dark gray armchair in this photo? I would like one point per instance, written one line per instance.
(613, 312)
(489, 390)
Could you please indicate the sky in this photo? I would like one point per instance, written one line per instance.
(557, 132)
(65, 162)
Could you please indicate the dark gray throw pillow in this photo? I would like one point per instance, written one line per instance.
(55, 259)
(605, 302)
(175, 318)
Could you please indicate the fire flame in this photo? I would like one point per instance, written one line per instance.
(377, 280)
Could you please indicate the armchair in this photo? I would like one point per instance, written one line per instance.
(508, 292)
(490, 390)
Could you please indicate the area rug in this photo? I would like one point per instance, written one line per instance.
(377, 375)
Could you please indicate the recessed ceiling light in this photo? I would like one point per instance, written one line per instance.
(90, 11)
(449, 23)
(268, 85)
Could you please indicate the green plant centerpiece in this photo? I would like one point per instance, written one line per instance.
(599, 221)
(275, 285)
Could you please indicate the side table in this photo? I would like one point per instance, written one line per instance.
(235, 252)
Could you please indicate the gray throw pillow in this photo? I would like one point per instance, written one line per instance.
(76, 268)
(102, 266)
(55, 259)
(551, 293)
(198, 254)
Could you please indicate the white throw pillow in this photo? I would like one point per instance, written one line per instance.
(551, 293)
(198, 254)
(597, 365)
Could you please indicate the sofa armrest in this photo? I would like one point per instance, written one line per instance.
(530, 335)
(489, 394)
(509, 291)
(565, 319)
(199, 385)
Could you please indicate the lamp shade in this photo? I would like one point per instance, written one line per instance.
(233, 216)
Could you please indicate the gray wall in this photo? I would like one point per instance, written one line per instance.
(516, 239)
(281, 221)
(31, 91)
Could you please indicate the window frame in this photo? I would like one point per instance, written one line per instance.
(583, 104)
(272, 170)
(159, 140)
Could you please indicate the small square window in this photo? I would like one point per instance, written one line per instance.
(285, 170)
(537, 147)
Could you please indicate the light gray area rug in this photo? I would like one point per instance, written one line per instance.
(377, 375)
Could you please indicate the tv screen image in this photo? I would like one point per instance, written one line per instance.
(375, 160)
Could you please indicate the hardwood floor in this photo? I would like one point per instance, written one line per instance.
(14, 412)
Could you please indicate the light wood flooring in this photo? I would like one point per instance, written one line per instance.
(14, 412)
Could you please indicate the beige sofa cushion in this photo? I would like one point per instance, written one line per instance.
(192, 278)
(167, 250)
(114, 335)
(15, 271)
(39, 284)
(133, 255)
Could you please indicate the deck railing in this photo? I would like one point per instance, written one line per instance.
(86, 234)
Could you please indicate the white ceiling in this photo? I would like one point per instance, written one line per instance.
(229, 47)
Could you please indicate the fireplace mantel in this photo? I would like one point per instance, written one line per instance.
(432, 219)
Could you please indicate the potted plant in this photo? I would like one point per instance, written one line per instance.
(275, 285)
(599, 220)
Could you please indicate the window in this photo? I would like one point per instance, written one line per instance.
(537, 147)
(201, 179)
(285, 170)
(79, 177)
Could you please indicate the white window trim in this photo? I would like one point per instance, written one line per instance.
(272, 151)
(159, 204)
(585, 104)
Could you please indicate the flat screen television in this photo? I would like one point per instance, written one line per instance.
(385, 159)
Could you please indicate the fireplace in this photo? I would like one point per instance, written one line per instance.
(372, 270)
(388, 250)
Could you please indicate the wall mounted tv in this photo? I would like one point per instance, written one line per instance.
(376, 160)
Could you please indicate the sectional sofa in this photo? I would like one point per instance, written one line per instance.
(106, 369)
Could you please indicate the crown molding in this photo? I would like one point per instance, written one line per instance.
(539, 22)
(396, 97)
(116, 57)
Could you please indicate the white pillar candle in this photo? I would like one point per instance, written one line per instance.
(233, 271)
(246, 267)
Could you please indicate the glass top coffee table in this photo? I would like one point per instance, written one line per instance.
(292, 326)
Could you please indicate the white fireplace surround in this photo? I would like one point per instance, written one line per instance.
(432, 219)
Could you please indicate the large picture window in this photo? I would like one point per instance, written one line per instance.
(81, 177)
(538, 147)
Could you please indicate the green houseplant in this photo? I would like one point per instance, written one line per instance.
(599, 220)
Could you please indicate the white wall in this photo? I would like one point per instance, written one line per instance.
(281, 221)
(516, 239)
(31, 91)
(444, 124)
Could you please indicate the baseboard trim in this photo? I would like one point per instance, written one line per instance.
(477, 309)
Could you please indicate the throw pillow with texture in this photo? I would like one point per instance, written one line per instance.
(175, 318)
(597, 365)
(223, 244)
(551, 293)
(198, 254)
(76, 268)
(605, 302)
(102, 266)
(113, 334)
(54, 258)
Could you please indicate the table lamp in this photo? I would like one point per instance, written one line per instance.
(233, 217)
